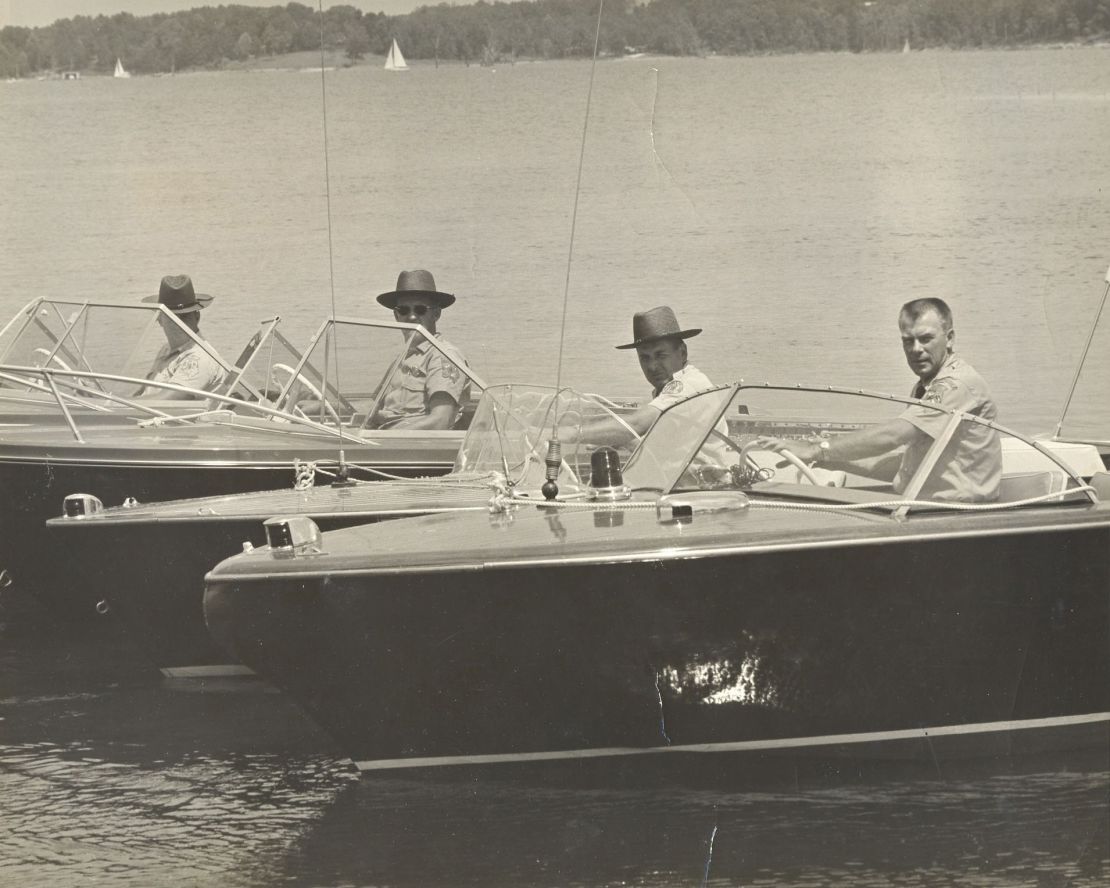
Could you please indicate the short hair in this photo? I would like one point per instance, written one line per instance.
(915, 308)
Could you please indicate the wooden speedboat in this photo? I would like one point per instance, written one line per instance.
(145, 562)
(281, 409)
(707, 604)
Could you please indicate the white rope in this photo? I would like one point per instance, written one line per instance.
(304, 473)
(501, 501)
(930, 504)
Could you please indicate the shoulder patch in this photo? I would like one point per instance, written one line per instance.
(189, 366)
(674, 387)
(450, 372)
(937, 389)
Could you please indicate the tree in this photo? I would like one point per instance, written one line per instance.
(244, 48)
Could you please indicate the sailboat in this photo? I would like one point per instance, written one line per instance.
(906, 45)
(394, 61)
(120, 70)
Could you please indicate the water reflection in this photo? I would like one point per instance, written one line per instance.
(111, 777)
(1043, 829)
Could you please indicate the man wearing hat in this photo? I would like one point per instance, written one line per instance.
(428, 389)
(183, 360)
(661, 347)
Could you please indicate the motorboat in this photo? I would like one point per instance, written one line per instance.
(83, 417)
(704, 599)
(144, 563)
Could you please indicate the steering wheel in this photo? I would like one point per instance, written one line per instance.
(308, 386)
(804, 471)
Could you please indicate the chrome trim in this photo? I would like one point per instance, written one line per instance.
(783, 743)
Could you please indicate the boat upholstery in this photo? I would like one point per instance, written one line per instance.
(1018, 486)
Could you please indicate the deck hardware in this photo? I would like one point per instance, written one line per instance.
(683, 508)
(292, 535)
(606, 479)
(78, 505)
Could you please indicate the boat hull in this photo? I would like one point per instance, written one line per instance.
(46, 584)
(946, 647)
(146, 563)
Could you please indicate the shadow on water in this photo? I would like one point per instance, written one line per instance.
(1036, 829)
(111, 776)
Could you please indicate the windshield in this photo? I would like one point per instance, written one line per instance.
(372, 374)
(717, 440)
(121, 358)
(513, 424)
(82, 343)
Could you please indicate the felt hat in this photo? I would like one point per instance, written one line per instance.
(416, 283)
(176, 293)
(655, 324)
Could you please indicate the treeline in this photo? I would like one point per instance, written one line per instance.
(494, 32)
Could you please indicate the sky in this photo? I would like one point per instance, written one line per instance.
(33, 13)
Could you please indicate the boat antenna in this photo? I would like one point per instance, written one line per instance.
(554, 458)
(342, 471)
(1083, 357)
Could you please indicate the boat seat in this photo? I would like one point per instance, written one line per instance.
(1100, 481)
(1024, 485)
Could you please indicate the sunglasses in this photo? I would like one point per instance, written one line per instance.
(415, 310)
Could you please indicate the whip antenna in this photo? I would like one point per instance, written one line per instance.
(1083, 357)
(342, 473)
(554, 458)
(577, 189)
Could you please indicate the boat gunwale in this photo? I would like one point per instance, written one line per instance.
(1093, 518)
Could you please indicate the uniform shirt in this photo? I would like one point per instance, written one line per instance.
(970, 468)
(684, 383)
(423, 373)
(191, 366)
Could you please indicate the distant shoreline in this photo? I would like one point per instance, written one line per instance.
(333, 60)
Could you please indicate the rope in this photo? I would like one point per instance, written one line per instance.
(501, 501)
(935, 506)
(304, 474)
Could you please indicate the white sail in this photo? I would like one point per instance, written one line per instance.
(906, 45)
(120, 70)
(394, 61)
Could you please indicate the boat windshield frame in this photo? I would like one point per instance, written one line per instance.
(76, 311)
(321, 343)
(81, 391)
(724, 397)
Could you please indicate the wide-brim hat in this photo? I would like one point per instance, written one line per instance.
(416, 283)
(655, 324)
(177, 294)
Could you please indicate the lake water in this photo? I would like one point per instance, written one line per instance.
(787, 205)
